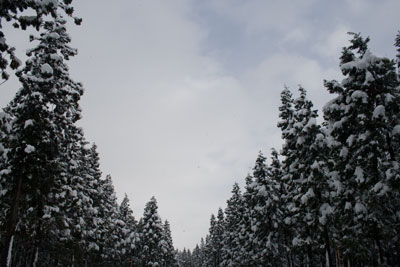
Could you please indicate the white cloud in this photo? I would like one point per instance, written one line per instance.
(330, 43)
(290, 69)
(377, 19)
(297, 35)
(167, 120)
(358, 6)
(259, 16)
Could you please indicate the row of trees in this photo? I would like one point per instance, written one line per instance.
(56, 209)
(331, 197)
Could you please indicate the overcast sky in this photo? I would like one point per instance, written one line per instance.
(180, 95)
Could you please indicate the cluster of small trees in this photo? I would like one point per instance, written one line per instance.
(56, 209)
(331, 197)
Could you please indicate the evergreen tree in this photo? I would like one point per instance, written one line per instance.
(210, 243)
(109, 226)
(197, 255)
(362, 120)
(278, 238)
(232, 244)
(151, 236)
(214, 242)
(308, 185)
(167, 247)
(218, 236)
(246, 232)
(286, 124)
(261, 227)
(70, 203)
(130, 233)
(202, 254)
(90, 171)
(42, 113)
(303, 179)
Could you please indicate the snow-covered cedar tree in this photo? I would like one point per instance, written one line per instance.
(69, 203)
(210, 247)
(43, 114)
(246, 232)
(215, 239)
(15, 12)
(129, 230)
(286, 114)
(288, 133)
(307, 182)
(110, 227)
(363, 121)
(151, 235)
(275, 206)
(167, 247)
(303, 187)
(196, 256)
(88, 180)
(259, 202)
(218, 235)
(232, 244)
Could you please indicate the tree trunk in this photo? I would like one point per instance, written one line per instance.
(328, 247)
(338, 257)
(12, 223)
(309, 256)
(380, 258)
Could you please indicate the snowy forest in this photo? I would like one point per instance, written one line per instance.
(330, 196)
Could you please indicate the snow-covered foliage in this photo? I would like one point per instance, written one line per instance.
(233, 243)
(14, 12)
(369, 102)
(41, 136)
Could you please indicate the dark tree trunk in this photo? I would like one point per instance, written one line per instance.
(328, 247)
(12, 222)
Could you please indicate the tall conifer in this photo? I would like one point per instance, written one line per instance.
(42, 112)
(151, 235)
(232, 244)
(363, 119)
